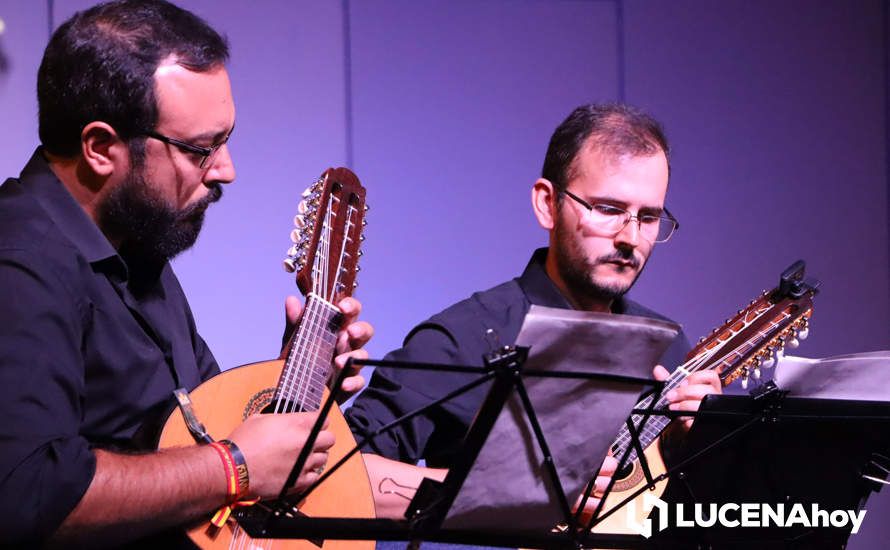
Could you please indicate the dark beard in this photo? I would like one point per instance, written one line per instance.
(149, 231)
(577, 271)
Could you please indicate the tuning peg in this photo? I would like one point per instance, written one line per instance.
(745, 381)
(355, 285)
(361, 238)
(756, 373)
(289, 265)
(360, 253)
(364, 222)
(299, 221)
(301, 208)
(367, 207)
(804, 329)
(295, 236)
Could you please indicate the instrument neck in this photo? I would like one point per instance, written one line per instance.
(308, 364)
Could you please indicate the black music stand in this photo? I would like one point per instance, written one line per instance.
(775, 449)
(428, 510)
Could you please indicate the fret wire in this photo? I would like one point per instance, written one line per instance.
(317, 326)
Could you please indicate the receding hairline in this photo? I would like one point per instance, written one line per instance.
(613, 153)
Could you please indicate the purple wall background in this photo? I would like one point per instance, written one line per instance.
(776, 111)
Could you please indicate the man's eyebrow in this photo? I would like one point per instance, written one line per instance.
(622, 204)
(213, 136)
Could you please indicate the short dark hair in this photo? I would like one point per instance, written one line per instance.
(100, 65)
(615, 128)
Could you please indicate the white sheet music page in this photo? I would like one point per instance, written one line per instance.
(858, 376)
(507, 489)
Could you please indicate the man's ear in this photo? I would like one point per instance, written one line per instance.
(544, 199)
(102, 149)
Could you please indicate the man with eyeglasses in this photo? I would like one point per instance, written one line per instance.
(95, 332)
(601, 198)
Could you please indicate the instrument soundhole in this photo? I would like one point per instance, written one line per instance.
(258, 402)
(628, 477)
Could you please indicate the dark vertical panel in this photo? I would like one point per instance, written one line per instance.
(620, 55)
(777, 113)
(886, 5)
(454, 103)
(22, 45)
(347, 83)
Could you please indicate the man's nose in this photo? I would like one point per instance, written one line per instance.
(222, 169)
(629, 236)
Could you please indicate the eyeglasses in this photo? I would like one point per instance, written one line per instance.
(206, 153)
(611, 220)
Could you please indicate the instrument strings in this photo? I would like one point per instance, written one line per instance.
(307, 365)
(700, 362)
(307, 368)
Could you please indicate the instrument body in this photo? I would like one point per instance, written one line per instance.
(247, 390)
(752, 339)
(325, 257)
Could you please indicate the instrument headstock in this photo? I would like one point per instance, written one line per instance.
(328, 234)
(757, 335)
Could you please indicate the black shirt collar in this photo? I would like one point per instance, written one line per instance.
(39, 181)
(541, 290)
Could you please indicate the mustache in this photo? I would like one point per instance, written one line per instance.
(216, 193)
(620, 256)
(201, 205)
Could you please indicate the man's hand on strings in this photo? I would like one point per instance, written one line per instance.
(688, 394)
(271, 442)
(351, 338)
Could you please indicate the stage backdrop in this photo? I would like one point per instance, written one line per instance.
(776, 112)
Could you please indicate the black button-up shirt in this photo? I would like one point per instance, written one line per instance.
(88, 357)
(456, 336)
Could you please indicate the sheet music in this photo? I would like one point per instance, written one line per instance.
(858, 376)
(507, 488)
